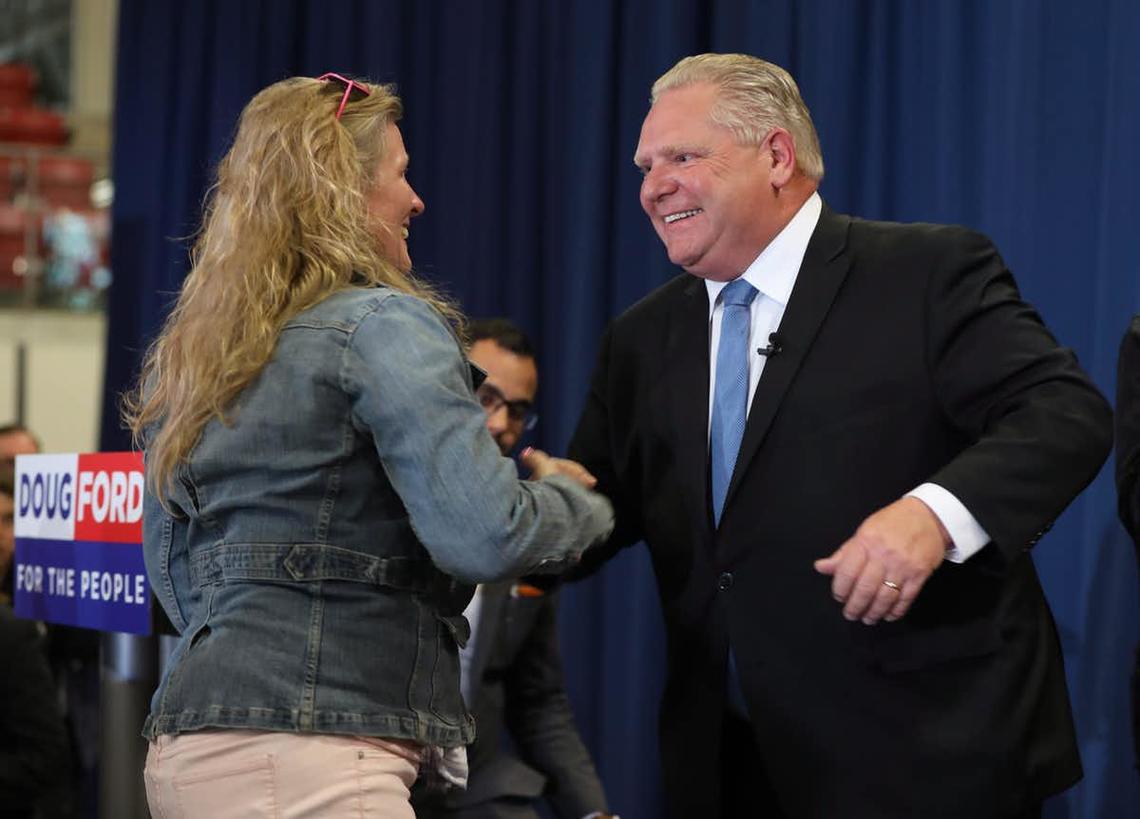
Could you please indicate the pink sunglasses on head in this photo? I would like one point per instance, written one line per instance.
(349, 87)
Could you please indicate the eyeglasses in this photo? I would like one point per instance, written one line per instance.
(349, 87)
(519, 412)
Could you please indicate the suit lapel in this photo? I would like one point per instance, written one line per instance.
(821, 274)
(687, 383)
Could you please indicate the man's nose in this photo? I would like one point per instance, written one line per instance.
(655, 185)
(498, 419)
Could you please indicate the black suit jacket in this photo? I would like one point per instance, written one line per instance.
(908, 356)
(521, 691)
(1128, 430)
(1128, 472)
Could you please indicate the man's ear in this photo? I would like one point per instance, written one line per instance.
(782, 156)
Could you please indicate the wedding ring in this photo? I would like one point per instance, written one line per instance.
(890, 584)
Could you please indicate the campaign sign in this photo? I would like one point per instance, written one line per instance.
(79, 558)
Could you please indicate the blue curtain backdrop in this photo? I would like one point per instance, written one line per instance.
(1021, 119)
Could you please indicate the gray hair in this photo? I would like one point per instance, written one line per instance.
(753, 97)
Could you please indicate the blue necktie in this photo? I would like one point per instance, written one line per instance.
(730, 403)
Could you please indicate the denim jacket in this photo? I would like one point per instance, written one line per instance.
(316, 549)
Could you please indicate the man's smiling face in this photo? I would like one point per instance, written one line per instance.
(709, 198)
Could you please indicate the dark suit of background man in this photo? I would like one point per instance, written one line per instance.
(904, 360)
(1128, 470)
(512, 669)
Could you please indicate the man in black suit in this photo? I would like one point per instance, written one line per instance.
(839, 439)
(1128, 471)
(511, 668)
(1128, 429)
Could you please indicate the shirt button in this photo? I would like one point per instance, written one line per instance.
(724, 582)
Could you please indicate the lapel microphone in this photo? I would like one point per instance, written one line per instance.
(775, 345)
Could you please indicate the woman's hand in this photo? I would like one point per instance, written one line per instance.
(542, 466)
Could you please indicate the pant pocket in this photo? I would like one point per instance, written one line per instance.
(236, 788)
(384, 781)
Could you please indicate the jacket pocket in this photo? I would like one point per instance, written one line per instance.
(908, 649)
(458, 627)
(202, 630)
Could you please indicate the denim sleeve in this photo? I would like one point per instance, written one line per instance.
(409, 385)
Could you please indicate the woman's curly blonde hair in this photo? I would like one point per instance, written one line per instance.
(285, 225)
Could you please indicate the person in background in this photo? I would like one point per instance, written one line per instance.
(840, 439)
(34, 750)
(7, 532)
(321, 486)
(73, 656)
(15, 439)
(511, 668)
(1128, 471)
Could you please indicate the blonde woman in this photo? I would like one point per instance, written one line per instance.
(318, 473)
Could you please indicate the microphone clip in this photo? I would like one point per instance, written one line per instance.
(775, 345)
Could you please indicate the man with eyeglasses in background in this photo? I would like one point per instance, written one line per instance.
(511, 668)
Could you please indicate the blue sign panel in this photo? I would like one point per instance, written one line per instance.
(82, 583)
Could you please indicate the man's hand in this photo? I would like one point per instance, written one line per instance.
(880, 570)
(542, 466)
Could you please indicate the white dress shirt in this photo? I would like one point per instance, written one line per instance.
(467, 653)
(773, 274)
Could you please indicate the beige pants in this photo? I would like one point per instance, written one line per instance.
(217, 774)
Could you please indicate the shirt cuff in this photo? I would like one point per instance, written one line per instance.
(967, 537)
